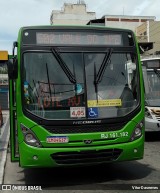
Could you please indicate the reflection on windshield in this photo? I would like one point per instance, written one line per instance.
(62, 86)
(152, 86)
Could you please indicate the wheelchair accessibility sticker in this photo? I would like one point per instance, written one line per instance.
(93, 112)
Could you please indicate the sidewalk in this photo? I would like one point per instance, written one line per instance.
(4, 139)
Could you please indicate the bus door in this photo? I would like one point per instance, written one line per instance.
(12, 74)
(13, 122)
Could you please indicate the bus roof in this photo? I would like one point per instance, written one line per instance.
(75, 27)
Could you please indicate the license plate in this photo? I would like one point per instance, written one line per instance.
(57, 139)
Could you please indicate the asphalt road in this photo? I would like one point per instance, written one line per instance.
(100, 178)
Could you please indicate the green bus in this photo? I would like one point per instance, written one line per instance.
(76, 96)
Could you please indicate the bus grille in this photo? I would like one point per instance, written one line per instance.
(83, 128)
(86, 157)
(158, 117)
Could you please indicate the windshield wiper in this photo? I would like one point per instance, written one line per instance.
(48, 81)
(63, 65)
(98, 77)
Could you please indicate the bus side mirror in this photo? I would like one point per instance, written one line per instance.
(12, 68)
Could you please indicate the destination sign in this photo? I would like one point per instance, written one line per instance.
(78, 38)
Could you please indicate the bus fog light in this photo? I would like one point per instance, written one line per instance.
(35, 157)
(135, 150)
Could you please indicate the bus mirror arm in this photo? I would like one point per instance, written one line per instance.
(13, 64)
(12, 68)
(15, 44)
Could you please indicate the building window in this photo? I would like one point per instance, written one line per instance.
(112, 19)
(130, 20)
(145, 33)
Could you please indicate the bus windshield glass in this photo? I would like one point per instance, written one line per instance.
(77, 84)
(152, 86)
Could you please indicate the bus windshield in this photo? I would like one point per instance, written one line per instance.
(64, 84)
(152, 85)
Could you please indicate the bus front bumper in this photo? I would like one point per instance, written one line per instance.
(89, 155)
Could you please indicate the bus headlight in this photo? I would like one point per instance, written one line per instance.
(29, 137)
(137, 132)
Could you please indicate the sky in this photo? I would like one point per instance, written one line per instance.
(17, 13)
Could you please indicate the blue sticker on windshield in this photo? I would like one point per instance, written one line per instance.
(93, 112)
(78, 88)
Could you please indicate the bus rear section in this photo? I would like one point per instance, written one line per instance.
(151, 74)
(76, 96)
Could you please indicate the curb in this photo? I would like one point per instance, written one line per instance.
(4, 150)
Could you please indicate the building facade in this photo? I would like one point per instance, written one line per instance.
(146, 28)
(122, 21)
(72, 14)
(150, 32)
(130, 22)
